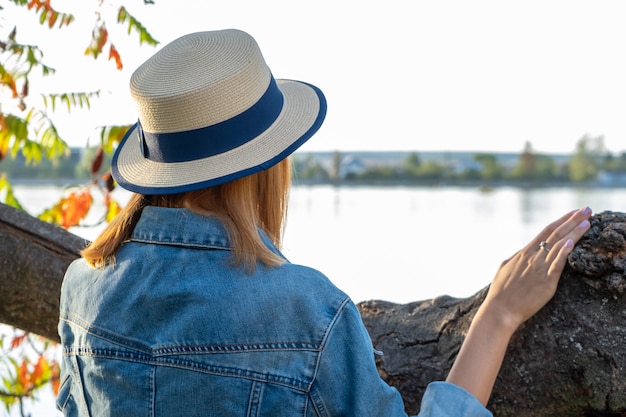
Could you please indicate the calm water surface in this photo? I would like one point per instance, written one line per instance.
(404, 244)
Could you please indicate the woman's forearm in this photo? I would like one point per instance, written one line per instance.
(480, 358)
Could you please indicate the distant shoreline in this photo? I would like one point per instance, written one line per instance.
(459, 184)
(483, 185)
(58, 182)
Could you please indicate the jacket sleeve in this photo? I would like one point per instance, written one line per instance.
(347, 381)
(348, 384)
(443, 399)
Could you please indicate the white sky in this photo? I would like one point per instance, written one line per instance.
(398, 75)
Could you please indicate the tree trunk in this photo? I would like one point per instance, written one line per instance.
(566, 361)
(33, 258)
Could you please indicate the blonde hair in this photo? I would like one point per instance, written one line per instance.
(244, 205)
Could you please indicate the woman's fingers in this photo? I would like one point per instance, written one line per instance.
(568, 224)
(558, 264)
(560, 241)
(526, 281)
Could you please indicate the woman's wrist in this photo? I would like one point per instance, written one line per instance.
(497, 319)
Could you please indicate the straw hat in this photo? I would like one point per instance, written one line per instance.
(210, 112)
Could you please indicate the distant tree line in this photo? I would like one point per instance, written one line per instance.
(586, 164)
(75, 165)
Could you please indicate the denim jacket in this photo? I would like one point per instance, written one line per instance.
(173, 329)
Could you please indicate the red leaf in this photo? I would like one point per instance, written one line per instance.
(103, 36)
(56, 377)
(23, 376)
(17, 340)
(75, 207)
(52, 18)
(96, 164)
(109, 183)
(113, 54)
(39, 369)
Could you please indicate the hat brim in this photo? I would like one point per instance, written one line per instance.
(303, 112)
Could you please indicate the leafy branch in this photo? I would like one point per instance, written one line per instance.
(144, 37)
(14, 137)
(80, 99)
(47, 14)
(23, 374)
(29, 129)
(100, 36)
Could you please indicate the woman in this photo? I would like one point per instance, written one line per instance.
(185, 306)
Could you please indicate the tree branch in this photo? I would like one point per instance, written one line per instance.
(567, 360)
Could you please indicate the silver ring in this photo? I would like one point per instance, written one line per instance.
(543, 245)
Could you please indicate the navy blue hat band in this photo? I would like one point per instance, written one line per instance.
(215, 139)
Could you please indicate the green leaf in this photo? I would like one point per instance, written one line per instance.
(32, 151)
(16, 131)
(16, 147)
(20, 2)
(67, 98)
(71, 100)
(42, 16)
(46, 70)
(111, 136)
(46, 137)
(9, 197)
(144, 37)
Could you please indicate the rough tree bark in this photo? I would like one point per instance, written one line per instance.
(33, 258)
(567, 360)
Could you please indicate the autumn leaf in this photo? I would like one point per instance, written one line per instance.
(96, 164)
(113, 208)
(25, 88)
(17, 340)
(48, 14)
(23, 376)
(4, 140)
(34, 3)
(39, 371)
(70, 210)
(109, 182)
(113, 54)
(8, 80)
(28, 379)
(75, 207)
(99, 38)
(52, 18)
(55, 377)
(103, 36)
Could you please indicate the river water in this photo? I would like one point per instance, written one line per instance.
(404, 244)
(401, 244)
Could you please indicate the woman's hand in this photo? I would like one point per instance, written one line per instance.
(528, 280)
(523, 284)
